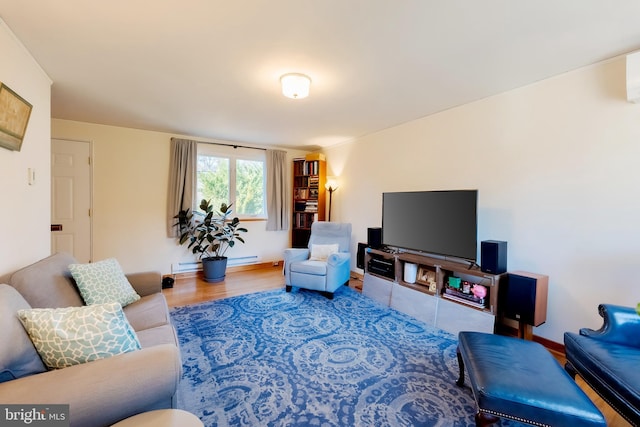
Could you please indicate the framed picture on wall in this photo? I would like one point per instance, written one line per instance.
(14, 117)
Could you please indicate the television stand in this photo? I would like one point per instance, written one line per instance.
(439, 291)
(473, 264)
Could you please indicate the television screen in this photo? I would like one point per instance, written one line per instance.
(436, 222)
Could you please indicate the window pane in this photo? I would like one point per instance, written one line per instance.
(249, 187)
(213, 180)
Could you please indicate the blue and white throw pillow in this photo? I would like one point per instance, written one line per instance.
(103, 281)
(73, 335)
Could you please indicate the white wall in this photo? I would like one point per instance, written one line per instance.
(556, 166)
(130, 181)
(25, 210)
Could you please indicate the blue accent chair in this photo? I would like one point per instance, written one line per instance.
(302, 270)
(608, 359)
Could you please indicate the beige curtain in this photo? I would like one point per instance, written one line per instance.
(182, 180)
(278, 210)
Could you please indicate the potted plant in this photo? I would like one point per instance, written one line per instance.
(209, 234)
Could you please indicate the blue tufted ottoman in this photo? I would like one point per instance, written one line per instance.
(520, 380)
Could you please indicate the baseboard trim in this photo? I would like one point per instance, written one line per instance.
(231, 269)
(513, 332)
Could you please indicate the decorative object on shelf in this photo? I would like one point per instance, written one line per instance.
(427, 277)
(14, 117)
(466, 287)
(295, 85)
(331, 186)
(410, 272)
(479, 291)
(210, 237)
(433, 287)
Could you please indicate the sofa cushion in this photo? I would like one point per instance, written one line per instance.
(20, 358)
(47, 283)
(317, 268)
(613, 364)
(148, 312)
(103, 281)
(70, 336)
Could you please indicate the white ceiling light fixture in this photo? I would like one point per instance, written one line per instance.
(295, 85)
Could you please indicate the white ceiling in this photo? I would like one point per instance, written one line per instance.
(211, 68)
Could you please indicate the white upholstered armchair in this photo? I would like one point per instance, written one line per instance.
(326, 264)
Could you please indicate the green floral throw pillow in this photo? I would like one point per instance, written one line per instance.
(73, 335)
(103, 281)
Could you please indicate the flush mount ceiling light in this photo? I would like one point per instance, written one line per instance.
(295, 85)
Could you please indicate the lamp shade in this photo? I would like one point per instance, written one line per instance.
(331, 185)
(295, 85)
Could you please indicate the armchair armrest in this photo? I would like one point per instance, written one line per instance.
(338, 270)
(621, 326)
(146, 283)
(337, 259)
(295, 254)
(105, 391)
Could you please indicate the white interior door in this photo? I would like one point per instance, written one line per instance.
(71, 198)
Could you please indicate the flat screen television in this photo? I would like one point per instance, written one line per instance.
(436, 222)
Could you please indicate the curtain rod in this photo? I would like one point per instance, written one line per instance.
(227, 145)
(233, 145)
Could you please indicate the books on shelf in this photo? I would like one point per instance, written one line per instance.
(308, 195)
(305, 206)
(302, 193)
(306, 167)
(468, 299)
(311, 206)
(305, 219)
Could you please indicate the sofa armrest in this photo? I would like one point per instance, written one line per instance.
(105, 391)
(146, 283)
(621, 326)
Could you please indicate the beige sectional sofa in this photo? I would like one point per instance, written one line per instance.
(100, 392)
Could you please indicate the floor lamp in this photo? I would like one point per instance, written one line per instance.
(331, 186)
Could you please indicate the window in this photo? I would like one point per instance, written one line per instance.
(233, 175)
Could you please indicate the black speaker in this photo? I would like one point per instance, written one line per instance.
(374, 237)
(493, 256)
(523, 297)
(362, 247)
(167, 282)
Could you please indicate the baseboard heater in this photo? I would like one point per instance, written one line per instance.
(191, 266)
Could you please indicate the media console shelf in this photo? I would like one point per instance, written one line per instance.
(441, 293)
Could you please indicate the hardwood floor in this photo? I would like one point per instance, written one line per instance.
(191, 289)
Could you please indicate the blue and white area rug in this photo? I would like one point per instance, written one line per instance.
(299, 359)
